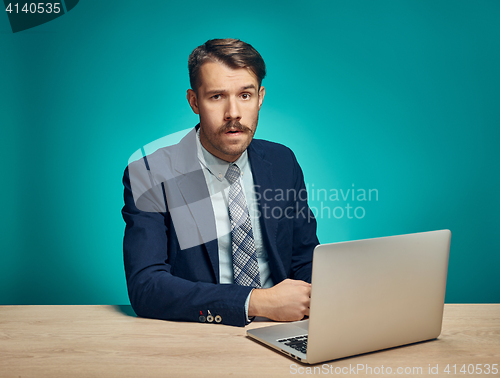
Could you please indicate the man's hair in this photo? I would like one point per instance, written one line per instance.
(231, 52)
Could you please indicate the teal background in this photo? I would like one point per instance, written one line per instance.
(398, 96)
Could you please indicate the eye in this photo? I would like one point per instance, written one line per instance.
(216, 97)
(245, 96)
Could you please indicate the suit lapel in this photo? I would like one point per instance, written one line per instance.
(197, 204)
(263, 180)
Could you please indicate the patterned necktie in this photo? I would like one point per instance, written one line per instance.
(245, 265)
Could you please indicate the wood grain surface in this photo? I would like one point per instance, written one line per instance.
(110, 341)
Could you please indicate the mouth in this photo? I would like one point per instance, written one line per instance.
(235, 128)
(235, 131)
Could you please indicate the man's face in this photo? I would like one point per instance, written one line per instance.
(228, 102)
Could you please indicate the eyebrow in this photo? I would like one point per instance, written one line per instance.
(250, 86)
(217, 91)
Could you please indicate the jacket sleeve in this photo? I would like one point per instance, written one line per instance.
(150, 249)
(304, 229)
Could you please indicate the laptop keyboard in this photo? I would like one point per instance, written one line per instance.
(298, 343)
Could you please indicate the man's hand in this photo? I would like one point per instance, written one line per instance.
(287, 301)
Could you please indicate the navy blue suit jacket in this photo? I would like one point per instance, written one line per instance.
(170, 246)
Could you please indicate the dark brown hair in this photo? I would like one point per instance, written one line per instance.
(231, 52)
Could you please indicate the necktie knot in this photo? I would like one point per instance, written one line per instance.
(233, 173)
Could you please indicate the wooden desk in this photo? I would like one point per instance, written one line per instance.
(106, 341)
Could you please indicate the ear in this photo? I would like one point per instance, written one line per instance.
(262, 93)
(193, 101)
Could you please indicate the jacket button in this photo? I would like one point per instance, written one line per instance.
(202, 319)
(218, 319)
(210, 318)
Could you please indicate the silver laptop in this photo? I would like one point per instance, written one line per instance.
(368, 295)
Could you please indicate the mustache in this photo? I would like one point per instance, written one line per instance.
(234, 125)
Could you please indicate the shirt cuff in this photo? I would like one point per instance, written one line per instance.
(247, 302)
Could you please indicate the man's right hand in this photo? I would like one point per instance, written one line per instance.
(287, 301)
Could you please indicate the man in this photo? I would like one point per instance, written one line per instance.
(218, 226)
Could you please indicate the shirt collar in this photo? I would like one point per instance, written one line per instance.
(218, 167)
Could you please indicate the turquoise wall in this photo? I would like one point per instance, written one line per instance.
(401, 97)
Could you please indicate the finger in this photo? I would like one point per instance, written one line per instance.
(306, 312)
(304, 283)
(308, 291)
(307, 302)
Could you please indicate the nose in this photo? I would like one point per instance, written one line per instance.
(232, 110)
